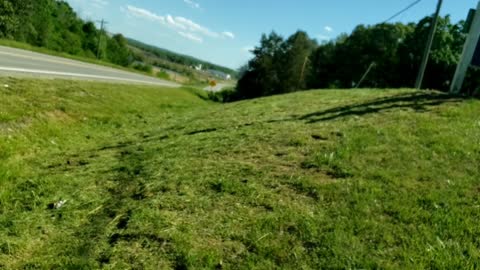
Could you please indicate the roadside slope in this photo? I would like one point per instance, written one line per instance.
(17, 62)
(162, 179)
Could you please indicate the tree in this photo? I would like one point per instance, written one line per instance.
(42, 23)
(118, 51)
(262, 76)
(7, 19)
(395, 49)
(323, 67)
(446, 50)
(90, 39)
(279, 66)
(295, 62)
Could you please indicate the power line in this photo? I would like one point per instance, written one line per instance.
(372, 65)
(403, 11)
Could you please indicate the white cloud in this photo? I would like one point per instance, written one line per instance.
(228, 35)
(99, 3)
(193, 27)
(191, 36)
(87, 8)
(192, 4)
(174, 24)
(328, 29)
(183, 26)
(143, 13)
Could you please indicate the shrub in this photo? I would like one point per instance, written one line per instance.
(143, 67)
(226, 95)
(163, 75)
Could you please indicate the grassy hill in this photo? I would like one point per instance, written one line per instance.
(96, 175)
(172, 60)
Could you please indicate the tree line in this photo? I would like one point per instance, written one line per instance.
(177, 58)
(54, 25)
(393, 51)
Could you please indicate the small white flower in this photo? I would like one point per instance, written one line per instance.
(6, 85)
(59, 204)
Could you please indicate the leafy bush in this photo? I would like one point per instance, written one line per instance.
(226, 95)
(54, 25)
(163, 75)
(143, 67)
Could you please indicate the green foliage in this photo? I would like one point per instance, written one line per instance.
(7, 19)
(446, 50)
(54, 25)
(395, 50)
(176, 58)
(163, 75)
(342, 64)
(278, 66)
(225, 95)
(295, 62)
(143, 67)
(118, 52)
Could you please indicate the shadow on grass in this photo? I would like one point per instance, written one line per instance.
(419, 102)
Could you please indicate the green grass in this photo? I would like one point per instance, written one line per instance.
(160, 178)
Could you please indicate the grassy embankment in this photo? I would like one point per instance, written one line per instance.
(159, 178)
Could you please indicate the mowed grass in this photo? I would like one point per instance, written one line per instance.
(157, 178)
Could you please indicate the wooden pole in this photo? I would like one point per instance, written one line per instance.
(102, 24)
(365, 75)
(428, 48)
(304, 66)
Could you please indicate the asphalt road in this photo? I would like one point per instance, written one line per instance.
(18, 63)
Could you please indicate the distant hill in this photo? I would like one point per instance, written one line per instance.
(177, 58)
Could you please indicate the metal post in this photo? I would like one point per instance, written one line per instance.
(428, 48)
(467, 55)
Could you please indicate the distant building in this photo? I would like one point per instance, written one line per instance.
(219, 74)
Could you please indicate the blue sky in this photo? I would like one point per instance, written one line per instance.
(222, 31)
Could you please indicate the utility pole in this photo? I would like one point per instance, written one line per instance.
(304, 66)
(365, 75)
(426, 54)
(467, 54)
(102, 24)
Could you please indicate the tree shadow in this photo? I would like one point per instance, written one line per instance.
(419, 102)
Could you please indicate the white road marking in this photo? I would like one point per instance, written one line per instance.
(52, 59)
(44, 72)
